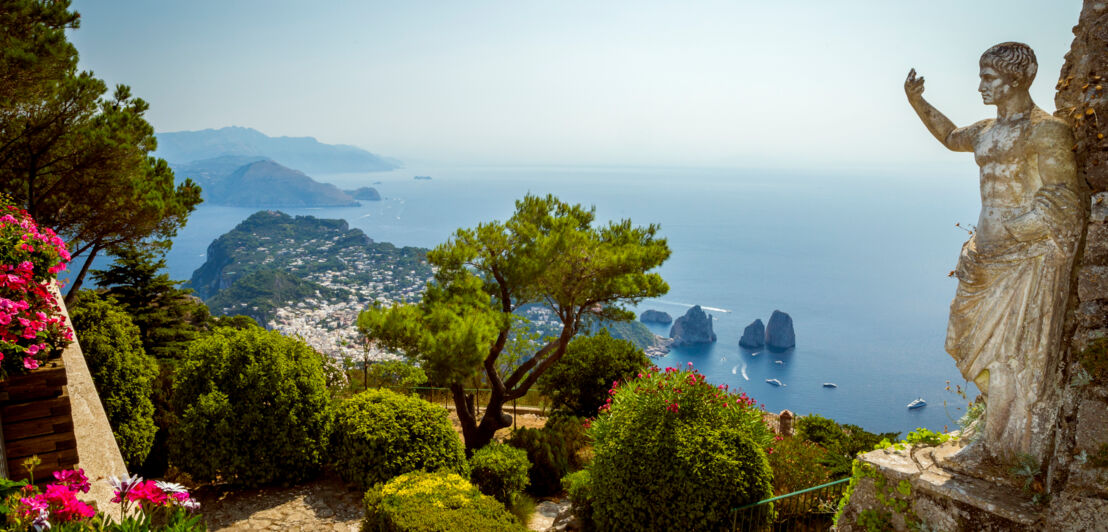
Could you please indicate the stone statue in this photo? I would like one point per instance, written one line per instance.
(1014, 272)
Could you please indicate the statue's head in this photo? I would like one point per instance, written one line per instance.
(1005, 69)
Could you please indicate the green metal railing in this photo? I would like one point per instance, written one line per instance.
(804, 510)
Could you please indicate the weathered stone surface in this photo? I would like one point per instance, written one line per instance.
(655, 316)
(754, 335)
(695, 327)
(779, 331)
(96, 447)
(916, 492)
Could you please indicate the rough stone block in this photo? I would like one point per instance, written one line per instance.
(1100, 207)
(1092, 314)
(1092, 283)
(1096, 245)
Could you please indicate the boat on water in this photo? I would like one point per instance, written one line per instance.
(918, 403)
(830, 385)
(779, 362)
(775, 382)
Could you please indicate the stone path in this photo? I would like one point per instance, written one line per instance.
(321, 505)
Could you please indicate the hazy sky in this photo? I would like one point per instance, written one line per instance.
(784, 83)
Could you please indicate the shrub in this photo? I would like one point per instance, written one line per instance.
(673, 437)
(380, 434)
(843, 442)
(122, 371)
(552, 451)
(579, 382)
(433, 502)
(797, 464)
(499, 470)
(253, 408)
(579, 486)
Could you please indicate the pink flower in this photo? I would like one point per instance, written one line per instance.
(30, 363)
(147, 491)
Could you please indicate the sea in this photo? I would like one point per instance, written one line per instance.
(860, 259)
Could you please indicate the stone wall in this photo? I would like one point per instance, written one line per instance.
(1072, 472)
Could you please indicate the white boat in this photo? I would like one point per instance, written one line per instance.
(779, 362)
(830, 385)
(775, 382)
(918, 403)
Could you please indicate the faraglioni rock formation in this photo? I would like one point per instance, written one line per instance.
(779, 331)
(695, 327)
(754, 335)
(655, 316)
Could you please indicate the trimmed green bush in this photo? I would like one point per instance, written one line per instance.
(552, 451)
(499, 470)
(252, 408)
(380, 434)
(579, 487)
(122, 371)
(578, 384)
(673, 452)
(434, 502)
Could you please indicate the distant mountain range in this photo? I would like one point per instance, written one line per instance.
(242, 167)
(303, 153)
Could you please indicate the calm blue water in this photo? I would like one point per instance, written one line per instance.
(860, 263)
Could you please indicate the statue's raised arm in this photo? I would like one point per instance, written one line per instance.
(954, 138)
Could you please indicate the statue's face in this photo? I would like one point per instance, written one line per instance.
(994, 87)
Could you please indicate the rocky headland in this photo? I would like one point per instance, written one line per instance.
(695, 327)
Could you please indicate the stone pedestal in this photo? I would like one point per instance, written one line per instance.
(916, 487)
(953, 488)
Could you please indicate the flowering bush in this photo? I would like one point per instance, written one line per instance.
(31, 324)
(439, 501)
(676, 438)
(165, 503)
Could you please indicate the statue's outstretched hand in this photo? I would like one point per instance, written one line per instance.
(913, 86)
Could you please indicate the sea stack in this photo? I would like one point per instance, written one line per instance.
(695, 327)
(655, 316)
(779, 331)
(754, 335)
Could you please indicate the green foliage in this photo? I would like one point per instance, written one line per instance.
(253, 408)
(122, 371)
(395, 373)
(168, 317)
(380, 434)
(842, 441)
(872, 520)
(549, 253)
(579, 487)
(260, 293)
(673, 437)
(499, 470)
(922, 436)
(579, 383)
(797, 464)
(552, 451)
(433, 502)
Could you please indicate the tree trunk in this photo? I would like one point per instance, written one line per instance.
(71, 295)
(492, 421)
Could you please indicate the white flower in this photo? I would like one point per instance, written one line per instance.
(170, 487)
